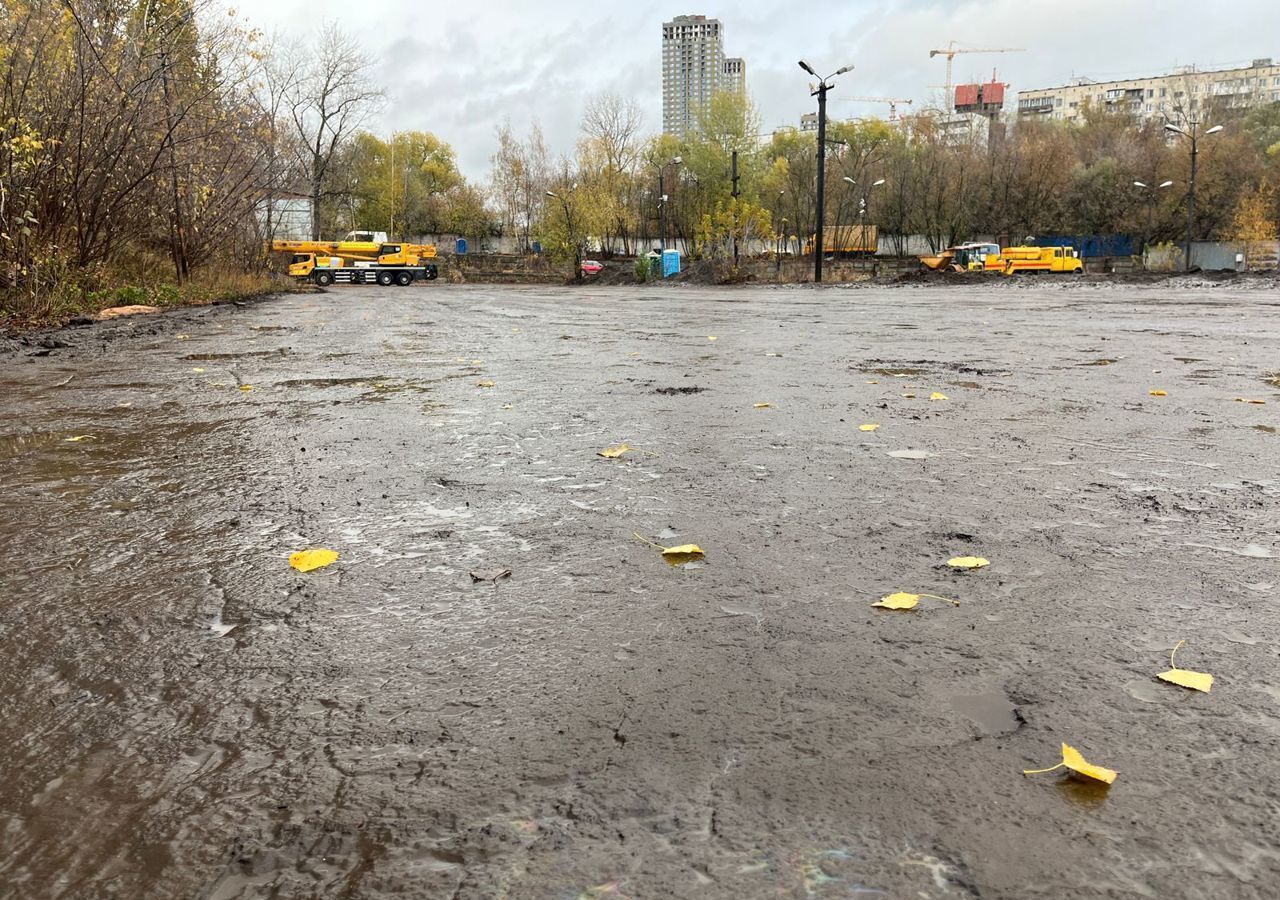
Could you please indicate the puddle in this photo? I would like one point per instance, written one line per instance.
(1187, 359)
(1146, 690)
(741, 609)
(1252, 551)
(992, 712)
(1267, 429)
(910, 454)
(901, 372)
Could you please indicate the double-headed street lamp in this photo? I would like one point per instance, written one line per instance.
(568, 225)
(862, 204)
(821, 93)
(1151, 206)
(1191, 135)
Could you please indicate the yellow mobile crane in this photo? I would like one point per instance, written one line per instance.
(361, 257)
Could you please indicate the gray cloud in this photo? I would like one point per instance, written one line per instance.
(459, 70)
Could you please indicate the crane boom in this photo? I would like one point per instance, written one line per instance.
(953, 51)
(892, 101)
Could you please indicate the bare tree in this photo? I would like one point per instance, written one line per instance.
(332, 97)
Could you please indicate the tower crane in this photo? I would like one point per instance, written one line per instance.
(953, 51)
(892, 101)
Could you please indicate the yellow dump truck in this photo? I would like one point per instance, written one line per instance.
(975, 257)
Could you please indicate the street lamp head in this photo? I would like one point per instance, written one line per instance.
(1214, 130)
(1174, 128)
(1139, 184)
(551, 193)
(808, 68)
(676, 160)
(1167, 184)
(850, 180)
(877, 183)
(842, 70)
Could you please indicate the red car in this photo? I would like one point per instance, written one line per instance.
(591, 267)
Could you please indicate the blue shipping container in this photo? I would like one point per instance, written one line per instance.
(1091, 246)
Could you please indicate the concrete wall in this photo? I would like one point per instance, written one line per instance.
(1210, 255)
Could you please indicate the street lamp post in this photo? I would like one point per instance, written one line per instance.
(1192, 135)
(662, 199)
(568, 224)
(821, 93)
(1151, 208)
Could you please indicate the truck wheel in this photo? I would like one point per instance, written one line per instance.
(384, 278)
(403, 278)
(324, 279)
(432, 272)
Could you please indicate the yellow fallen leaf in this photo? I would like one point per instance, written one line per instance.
(874, 382)
(712, 337)
(197, 370)
(1072, 759)
(1247, 400)
(75, 439)
(763, 405)
(476, 362)
(968, 562)
(1156, 392)
(685, 553)
(246, 387)
(1197, 681)
(936, 395)
(903, 600)
(870, 426)
(675, 556)
(317, 558)
(184, 337)
(484, 384)
(908, 396)
(614, 452)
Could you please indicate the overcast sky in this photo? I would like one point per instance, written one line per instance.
(458, 68)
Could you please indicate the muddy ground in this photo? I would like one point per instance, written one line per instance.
(186, 716)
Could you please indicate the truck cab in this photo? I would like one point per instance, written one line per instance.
(977, 258)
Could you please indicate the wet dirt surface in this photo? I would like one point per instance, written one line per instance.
(186, 716)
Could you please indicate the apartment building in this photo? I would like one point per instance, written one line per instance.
(1184, 93)
(694, 68)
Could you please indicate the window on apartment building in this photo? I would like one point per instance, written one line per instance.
(1150, 94)
(1057, 102)
(1164, 92)
(1148, 110)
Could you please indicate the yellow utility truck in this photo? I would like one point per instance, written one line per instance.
(847, 240)
(1058, 260)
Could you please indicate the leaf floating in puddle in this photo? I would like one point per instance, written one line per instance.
(484, 384)
(1247, 400)
(676, 556)
(614, 452)
(968, 562)
(1072, 759)
(870, 426)
(1156, 392)
(246, 388)
(316, 558)
(938, 395)
(1197, 681)
(902, 600)
(198, 370)
(491, 575)
(764, 405)
(77, 438)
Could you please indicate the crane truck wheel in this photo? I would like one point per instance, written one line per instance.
(324, 279)
(384, 278)
(403, 278)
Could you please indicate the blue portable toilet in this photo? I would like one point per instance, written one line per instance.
(460, 247)
(670, 263)
(537, 247)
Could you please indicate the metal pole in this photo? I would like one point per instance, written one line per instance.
(1191, 201)
(662, 210)
(735, 208)
(818, 245)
